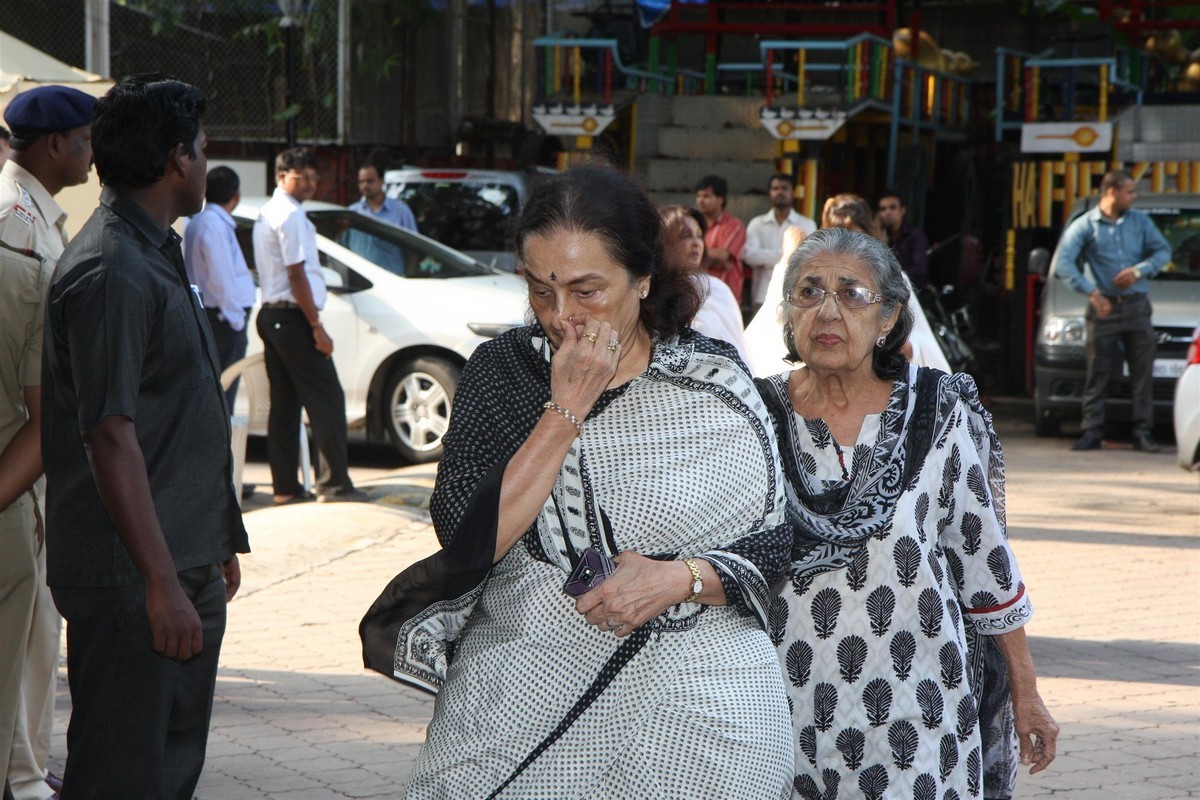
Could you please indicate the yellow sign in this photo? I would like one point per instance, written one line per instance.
(1066, 137)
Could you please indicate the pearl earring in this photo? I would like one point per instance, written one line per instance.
(644, 293)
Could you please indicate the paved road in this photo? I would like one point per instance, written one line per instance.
(1109, 543)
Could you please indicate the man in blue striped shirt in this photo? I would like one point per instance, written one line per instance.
(1123, 249)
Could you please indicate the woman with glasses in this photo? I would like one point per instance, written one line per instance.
(905, 604)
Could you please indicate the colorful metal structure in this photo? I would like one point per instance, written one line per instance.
(810, 87)
(1041, 88)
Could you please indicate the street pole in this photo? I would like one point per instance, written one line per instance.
(96, 25)
(289, 22)
(289, 83)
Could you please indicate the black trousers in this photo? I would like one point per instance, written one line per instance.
(139, 722)
(301, 377)
(230, 344)
(1128, 326)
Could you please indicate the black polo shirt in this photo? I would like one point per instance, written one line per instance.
(126, 336)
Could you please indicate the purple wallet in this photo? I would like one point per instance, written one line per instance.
(591, 571)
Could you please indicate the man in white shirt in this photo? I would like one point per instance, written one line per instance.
(298, 351)
(51, 139)
(764, 235)
(216, 267)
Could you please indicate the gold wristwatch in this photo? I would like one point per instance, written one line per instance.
(697, 580)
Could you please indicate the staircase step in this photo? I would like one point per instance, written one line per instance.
(721, 143)
(700, 111)
(1152, 133)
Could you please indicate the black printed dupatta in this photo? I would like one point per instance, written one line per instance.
(832, 524)
(409, 633)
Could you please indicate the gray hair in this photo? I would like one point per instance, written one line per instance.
(887, 361)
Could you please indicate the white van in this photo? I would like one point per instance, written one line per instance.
(1059, 365)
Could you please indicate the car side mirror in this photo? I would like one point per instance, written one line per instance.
(333, 278)
(1039, 262)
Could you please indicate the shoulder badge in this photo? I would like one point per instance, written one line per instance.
(23, 214)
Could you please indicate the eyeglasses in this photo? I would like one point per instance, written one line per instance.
(849, 297)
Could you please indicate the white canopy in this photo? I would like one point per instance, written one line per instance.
(23, 67)
(20, 62)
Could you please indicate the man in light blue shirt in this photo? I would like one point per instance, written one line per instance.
(217, 268)
(1123, 249)
(376, 205)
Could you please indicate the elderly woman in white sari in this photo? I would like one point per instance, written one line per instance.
(605, 438)
(901, 627)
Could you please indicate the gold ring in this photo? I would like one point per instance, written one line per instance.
(612, 346)
(591, 337)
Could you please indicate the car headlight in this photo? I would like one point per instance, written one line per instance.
(489, 330)
(1065, 331)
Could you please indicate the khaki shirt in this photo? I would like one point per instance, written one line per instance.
(24, 281)
(29, 217)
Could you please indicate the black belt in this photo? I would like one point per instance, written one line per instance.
(281, 304)
(1118, 299)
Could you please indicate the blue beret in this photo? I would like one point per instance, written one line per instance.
(47, 109)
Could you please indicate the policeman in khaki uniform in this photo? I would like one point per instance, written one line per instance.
(24, 278)
(51, 149)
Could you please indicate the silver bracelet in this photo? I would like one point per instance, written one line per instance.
(566, 414)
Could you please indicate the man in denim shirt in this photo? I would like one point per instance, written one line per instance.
(1124, 249)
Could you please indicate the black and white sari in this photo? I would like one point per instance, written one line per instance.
(535, 703)
(901, 573)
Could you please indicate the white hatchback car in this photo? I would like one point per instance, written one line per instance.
(405, 313)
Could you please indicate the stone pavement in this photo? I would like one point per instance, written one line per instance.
(1109, 543)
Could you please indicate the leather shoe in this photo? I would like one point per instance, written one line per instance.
(1143, 442)
(1089, 441)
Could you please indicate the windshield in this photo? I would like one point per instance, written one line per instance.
(465, 215)
(1181, 227)
(392, 248)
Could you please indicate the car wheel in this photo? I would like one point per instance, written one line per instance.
(1047, 426)
(1044, 421)
(418, 396)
